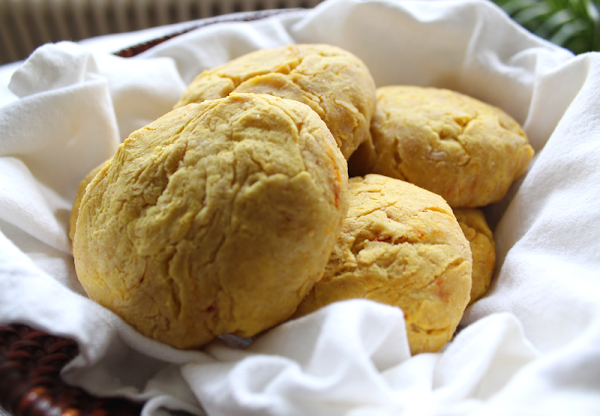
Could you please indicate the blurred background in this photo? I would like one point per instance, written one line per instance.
(27, 24)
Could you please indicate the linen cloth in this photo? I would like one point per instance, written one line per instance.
(530, 347)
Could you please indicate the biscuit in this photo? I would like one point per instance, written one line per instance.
(215, 219)
(400, 245)
(333, 82)
(80, 192)
(453, 145)
(476, 230)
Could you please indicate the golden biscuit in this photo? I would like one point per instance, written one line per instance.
(217, 218)
(333, 82)
(80, 192)
(402, 246)
(456, 146)
(476, 230)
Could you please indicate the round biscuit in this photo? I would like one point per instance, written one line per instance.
(336, 84)
(400, 245)
(476, 230)
(216, 218)
(465, 150)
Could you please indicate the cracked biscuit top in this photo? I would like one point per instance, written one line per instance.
(400, 245)
(333, 82)
(216, 218)
(476, 230)
(456, 146)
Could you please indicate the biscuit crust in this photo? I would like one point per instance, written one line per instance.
(336, 84)
(80, 192)
(465, 150)
(400, 245)
(474, 225)
(216, 218)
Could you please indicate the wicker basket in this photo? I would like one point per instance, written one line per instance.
(30, 383)
(27, 24)
(31, 360)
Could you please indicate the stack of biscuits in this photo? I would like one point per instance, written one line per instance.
(284, 181)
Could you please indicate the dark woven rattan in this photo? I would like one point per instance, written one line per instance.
(30, 382)
(236, 17)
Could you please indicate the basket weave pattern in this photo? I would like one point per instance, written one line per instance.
(30, 382)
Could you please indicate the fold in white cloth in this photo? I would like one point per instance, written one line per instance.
(531, 346)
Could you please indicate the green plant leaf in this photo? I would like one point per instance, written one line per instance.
(514, 6)
(554, 23)
(530, 16)
(593, 12)
(567, 32)
(573, 24)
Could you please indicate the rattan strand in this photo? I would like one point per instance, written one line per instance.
(30, 382)
(236, 17)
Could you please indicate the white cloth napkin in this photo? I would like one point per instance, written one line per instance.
(531, 347)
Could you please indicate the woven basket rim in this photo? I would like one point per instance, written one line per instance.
(30, 383)
(248, 16)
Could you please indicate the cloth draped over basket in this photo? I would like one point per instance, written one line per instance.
(531, 346)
